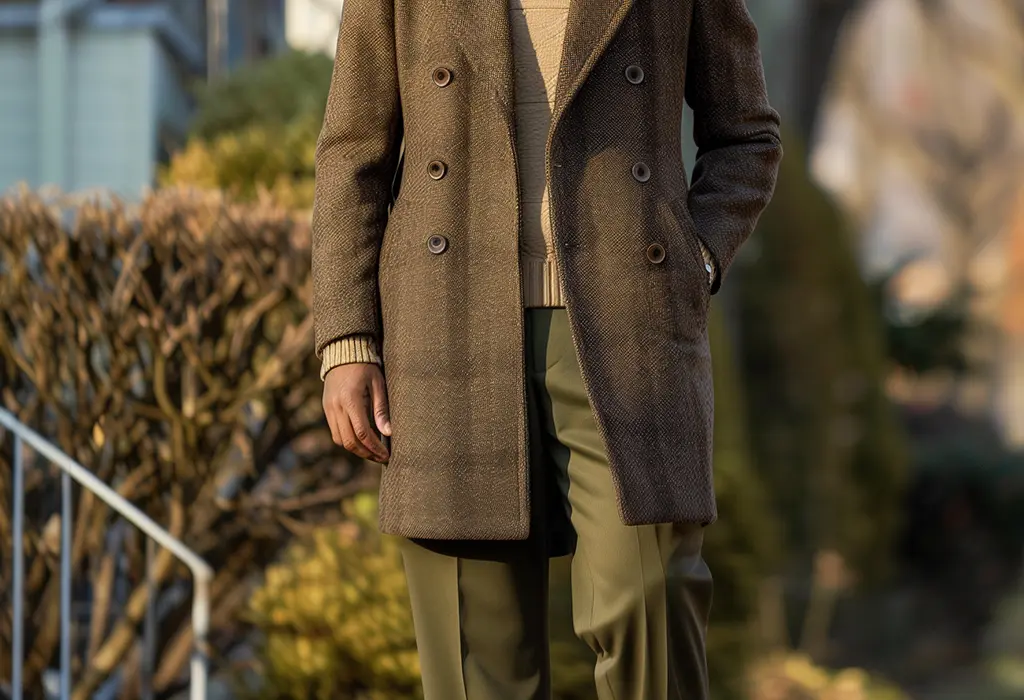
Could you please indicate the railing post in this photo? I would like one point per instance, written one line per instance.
(66, 516)
(200, 633)
(202, 574)
(148, 651)
(17, 611)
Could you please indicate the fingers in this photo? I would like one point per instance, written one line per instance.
(344, 435)
(335, 424)
(381, 415)
(363, 432)
(347, 407)
(341, 430)
(349, 440)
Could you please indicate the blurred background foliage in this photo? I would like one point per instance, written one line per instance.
(865, 534)
(255, 131)
(166, 345)
(334, 616)
(288, 88)
(825, 437)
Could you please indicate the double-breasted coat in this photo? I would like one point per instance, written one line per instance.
(415, 240)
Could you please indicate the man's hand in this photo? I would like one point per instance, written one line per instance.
(353, 393)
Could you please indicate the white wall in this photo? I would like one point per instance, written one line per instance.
(110, 111)
(312, 25)
(113, 111)
(18, 106)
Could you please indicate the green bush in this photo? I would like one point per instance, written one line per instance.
(929, 341)
(742, 547)
(335, 621)
(795, 677)
(335, 616)
(272, 93)
(276, 162)
(255, 132)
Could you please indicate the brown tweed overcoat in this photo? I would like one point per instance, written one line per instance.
(409, 153)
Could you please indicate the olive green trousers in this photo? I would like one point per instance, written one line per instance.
(640, 595)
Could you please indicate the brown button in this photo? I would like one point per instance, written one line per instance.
(436, 169)
(442, 76)
(655, 252)
(634, 74)
(437, 244)
(641, 173)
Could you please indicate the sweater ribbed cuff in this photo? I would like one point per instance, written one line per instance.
(541, 283)
(352, 348)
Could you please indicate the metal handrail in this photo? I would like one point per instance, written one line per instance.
(202, 573)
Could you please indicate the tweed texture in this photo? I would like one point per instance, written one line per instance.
(449, 318)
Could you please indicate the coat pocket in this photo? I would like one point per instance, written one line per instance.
(679, 285)
(688, 232)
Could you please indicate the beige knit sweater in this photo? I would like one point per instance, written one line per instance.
(538, 27)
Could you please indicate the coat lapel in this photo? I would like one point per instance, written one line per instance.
(590, 26)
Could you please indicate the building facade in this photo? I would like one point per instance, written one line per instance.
(93, 93)
(312, 25)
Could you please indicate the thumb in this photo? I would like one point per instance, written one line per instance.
(380, 404)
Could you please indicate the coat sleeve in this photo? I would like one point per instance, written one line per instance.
(356, 157)
(735, 129)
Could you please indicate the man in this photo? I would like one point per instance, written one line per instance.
(503, 229)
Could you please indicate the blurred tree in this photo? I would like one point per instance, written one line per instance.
(742, 547)
(824, 435)
(820, 25)
(798, 39)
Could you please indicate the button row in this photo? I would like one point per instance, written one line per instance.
(641, 171)
(442, 77)
(437, 244)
